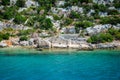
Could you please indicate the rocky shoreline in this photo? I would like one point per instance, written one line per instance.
(45, 44)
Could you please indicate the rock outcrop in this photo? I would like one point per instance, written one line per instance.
(100, 28)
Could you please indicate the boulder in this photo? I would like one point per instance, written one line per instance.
(24, 43)
(3, 44)
(32, 41)
(97, 29)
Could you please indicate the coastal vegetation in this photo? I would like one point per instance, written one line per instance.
(110, 20)
(20, 3)
(82, 25)
(109, 36)
(95, 21)
(4, 36)
(5, 2)
(23, 38)
(101, 38)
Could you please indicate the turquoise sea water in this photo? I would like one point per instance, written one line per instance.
(82, 65)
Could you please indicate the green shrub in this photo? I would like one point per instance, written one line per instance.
(1, 39)
(100, 7)
(74, 15)
(101, 38)
(19, 19)
(23, 38)
(118, 36)
(20, 3)
(89, 40)
(9, 13)
(5, 2)
(4, 36)
(46, 4)
(113, 12)
(113, 31)
(83, 25)
(117, 5)
(25, 32)
(46, 24)
(67, 21)
(110, 20)
(56, 17)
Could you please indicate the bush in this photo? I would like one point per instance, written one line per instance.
(1, 39)
(4, 36)
(67, 21)
(115, 33)
(19, 19)
(118, 36)
(101, 38)
(23, 38)
(46, 24)
(56, 17)
(46, 4)
(83, 25)
(9, 12)
(89, 40)
(25, 32)
(5, 2)
(110, 20)
(117, 5)
(74, 15)
(20, 3)
(100, 7)
(113, 12)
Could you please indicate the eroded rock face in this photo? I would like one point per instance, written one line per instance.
(43, 43)
(15, 43)
(11, 25)
(100, 28)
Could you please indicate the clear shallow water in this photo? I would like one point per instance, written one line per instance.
(91, 65)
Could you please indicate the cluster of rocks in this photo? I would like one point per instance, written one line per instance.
(4, 25)
(100, 28)
(103, 1)
(66, 11)
(3, 44)
(28, 3)
(58, 42)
